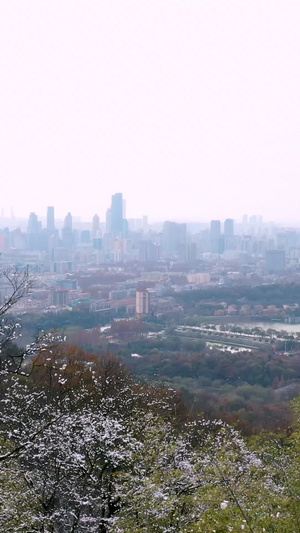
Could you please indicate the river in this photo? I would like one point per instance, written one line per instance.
(250, 324)
(278, 326)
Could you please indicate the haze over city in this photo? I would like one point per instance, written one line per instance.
(191, 109)
(149, 266)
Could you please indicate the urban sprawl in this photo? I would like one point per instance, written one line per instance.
(130, 267)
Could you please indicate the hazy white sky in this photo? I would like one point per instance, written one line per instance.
(188, 107)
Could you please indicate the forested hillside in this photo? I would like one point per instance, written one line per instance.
(87, 448)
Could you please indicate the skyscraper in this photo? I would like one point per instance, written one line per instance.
(174, 239)
(245, 223)
(216, 242)
(33, 224)
(33, 232)
(228, 227)
(50, 219)
(95, 226)
(67, 231)
(68, 223)
(116, 214)
(229, 234)
(108, 221)
(215, 229)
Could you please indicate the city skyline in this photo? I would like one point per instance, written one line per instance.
(190, 108)
(15, 221)
(49, 217)
(149, 265)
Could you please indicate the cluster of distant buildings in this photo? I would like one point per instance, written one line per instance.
(154, 261)
(133, 291)
(247, 310)
(71, 246)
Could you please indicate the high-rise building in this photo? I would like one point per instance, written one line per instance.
(125, 228)
(85, 236)
(253, 224)
(50, 219)
(116, 214)
(192, 252)
(216, 241)
(67, 231)
(174, 239)
(98, 243)
(143, 251)
(68, 223)
(215, 229)
(275, 261)
(18, 239)
(59, 296)
(33, 224)
(95, 226)
(228, 227)
(142, 303)
(245, 222)
(108, 221)
(148, 251)
(229, 234)
(33, 230)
